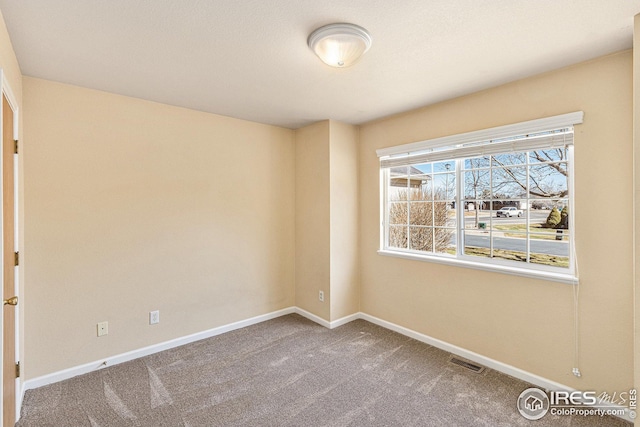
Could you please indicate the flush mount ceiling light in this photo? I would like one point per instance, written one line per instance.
(339, 45)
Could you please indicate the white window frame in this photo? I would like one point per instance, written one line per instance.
(437, 150)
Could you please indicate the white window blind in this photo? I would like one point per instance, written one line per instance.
(546, 133)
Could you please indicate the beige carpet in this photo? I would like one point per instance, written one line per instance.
(290, 372)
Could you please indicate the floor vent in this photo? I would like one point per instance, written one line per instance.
(466, 364)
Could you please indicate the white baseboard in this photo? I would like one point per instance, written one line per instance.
(319, 320)
(325, 323)
(529, 377)
(145, 351)
(470, 355)
(345, 320)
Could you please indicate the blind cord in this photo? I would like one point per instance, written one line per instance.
(576, 322)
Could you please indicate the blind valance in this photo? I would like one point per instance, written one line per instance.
(546, 133)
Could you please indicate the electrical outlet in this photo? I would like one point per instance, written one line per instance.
(154, 317)
(103, 328)
(321, 296)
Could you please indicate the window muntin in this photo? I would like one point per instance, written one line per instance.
(420, 210)
(422, 216)
(532, 183)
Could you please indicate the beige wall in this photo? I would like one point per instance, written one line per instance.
(132, 206)
(526, 323)
(345, 298)
(313, 273)
(636, 200)
(327, 219)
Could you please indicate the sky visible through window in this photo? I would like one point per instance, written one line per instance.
(430, 211)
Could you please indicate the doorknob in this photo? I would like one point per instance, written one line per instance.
(11, 301)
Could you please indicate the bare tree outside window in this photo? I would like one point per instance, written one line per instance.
(501, 197)
(426, 217)
(547, 174)
(423, 208)
(477, 184)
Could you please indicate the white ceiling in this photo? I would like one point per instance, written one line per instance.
(249, 58)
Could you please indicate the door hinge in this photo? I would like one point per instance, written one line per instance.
(17, 259)
(15, 146)
(18, 370)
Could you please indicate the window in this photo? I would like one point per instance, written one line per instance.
(498, 199)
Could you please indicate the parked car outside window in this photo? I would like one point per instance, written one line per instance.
(509, 211)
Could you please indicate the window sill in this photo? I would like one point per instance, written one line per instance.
(569, 279)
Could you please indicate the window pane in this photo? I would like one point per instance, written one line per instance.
(445, 240)
(476, 243)
(510, 248)
(541, 205)
(419, 182)
(477, 184)
(509, 159)
(478, 162)
(443, 215)
(548, 180)
(398, 213)
(451, 214)
(398, 236)
(420, 179)
(397, 193)
(509, 183)
(444, 166)
(421, 213)
(555, 216)
(477, 214)
(554, 261)
(424, 168)
(551, 155)
(546, 250)
(538, 222)
(510, 226)
(421, 194)
(398, 180)
(549, 240)
(444, 186)
(399, 171)
(422, 239)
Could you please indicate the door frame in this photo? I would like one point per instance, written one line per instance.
(5, 89)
